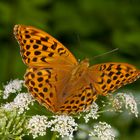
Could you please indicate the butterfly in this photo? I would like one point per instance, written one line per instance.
(58, 81)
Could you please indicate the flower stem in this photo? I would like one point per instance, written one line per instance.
(53, 136)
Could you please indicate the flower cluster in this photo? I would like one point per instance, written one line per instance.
(91, 112)
(37, 125)
(64, 125)
(12, 87)
(103, 131)
(21, 102)
(127, 100)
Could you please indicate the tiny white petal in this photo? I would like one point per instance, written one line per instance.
(9, 106)
(12, 87)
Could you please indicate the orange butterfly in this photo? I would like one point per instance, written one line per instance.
(58, 81)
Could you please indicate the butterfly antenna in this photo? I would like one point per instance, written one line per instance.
(116, 49)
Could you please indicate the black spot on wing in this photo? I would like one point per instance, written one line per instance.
(50, 54)
(38, 41)
(44, 39)
(43, 59)
(119, 67)
(44, 48)
(54, 46)
(27, 47)
(34, 59)
(27, 36)
(110, 67)
(35, 46)
(37, 52)
(110, 73)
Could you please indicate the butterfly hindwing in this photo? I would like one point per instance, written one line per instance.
(81, 96)
(108, 77)
(46, 85)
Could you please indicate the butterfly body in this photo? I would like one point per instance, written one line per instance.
(58, 81)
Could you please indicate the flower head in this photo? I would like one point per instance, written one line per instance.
(91, 112)
(64, 125)
(103, 131)
(21, 102)
(9, 106)
(12, 87)
(37, 125)
(129, 102)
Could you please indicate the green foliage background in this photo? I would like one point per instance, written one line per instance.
(88, 28)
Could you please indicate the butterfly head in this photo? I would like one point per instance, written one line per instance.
(80, 69)
(84, 62)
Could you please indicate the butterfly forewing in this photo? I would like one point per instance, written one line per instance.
(38, 48)
(108, 77)
(49, 62)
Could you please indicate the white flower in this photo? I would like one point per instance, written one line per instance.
(129, 102)
(21, 102)
(103, 131)
(12, 87)
(64, 125)
(9, 106)
(37, 125)
(92, 112)
(117, 103)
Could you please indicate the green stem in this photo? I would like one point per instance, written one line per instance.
(102, 111)
(54, 136)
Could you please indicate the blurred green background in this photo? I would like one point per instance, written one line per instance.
(88, 28)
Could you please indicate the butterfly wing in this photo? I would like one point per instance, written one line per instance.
(39, 49)
(98, 79)
(81, 97)
(49, 65)
(108, 77)
(46, 85)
